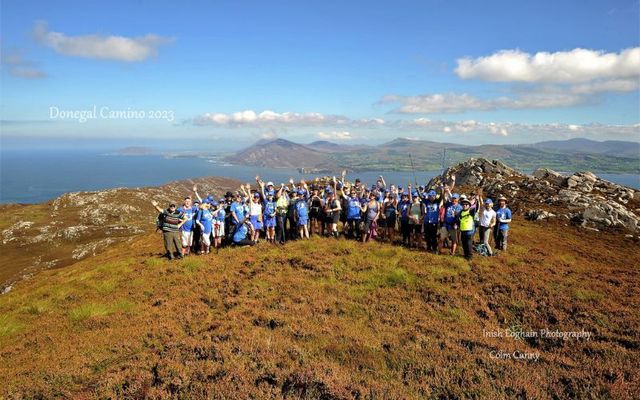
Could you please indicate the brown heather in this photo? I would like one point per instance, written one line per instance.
(326, 319)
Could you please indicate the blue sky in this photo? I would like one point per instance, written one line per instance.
(359, 71)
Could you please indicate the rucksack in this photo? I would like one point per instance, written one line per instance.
(159, 221)
(481, 249)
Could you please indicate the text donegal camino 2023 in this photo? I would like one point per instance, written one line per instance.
(105, 112)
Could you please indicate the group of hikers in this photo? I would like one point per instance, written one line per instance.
(437, 219)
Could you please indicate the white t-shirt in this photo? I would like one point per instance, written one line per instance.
(486, 217)
(256, 208)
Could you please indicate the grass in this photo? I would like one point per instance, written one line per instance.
(588, 295)
(325, 319)
(93, 310)
(191, 264)
(9, 326)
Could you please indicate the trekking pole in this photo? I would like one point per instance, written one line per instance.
(413, 169)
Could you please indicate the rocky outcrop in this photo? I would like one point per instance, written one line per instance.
(582, 197)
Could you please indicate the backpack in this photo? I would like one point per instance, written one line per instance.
(481, 249)
(159, 221)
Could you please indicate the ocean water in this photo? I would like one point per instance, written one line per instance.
(33, 176)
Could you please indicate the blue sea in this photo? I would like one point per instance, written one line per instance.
(37, 175)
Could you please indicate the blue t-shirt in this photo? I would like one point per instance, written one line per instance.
(432, 211)
(220, 215)
(238, 209)
(403, 207)
(241, 233)
(190, 214)
(269, 209)
(451, 213)
(353, 209)
(206, 219)
(503, 213)
(302, 208)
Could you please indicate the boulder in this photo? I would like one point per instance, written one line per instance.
(549, 175)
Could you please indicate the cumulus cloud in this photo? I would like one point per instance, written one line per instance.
(335, 135)
(120, 48)
(456, 103)
(271, 118)
(541, 80)
(575, 66)
(340, 128)
(18, 66)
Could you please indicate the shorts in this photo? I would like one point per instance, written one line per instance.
(366, 225)
(314, 213)
(206, 238)
(218, 230)
(257, 225)
(416, 228)
(443, 232)
(453, 234)
(187, 238)
(269, 222)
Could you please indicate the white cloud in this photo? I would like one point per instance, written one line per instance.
(446, 129)
(118, 48)
(335, 135)
(575, 66)
(271, 118)
(437, 103)
(456, 103)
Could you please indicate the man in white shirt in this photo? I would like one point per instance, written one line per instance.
(487, 221)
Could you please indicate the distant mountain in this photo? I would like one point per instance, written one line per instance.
(323, 143)
(280, 153)
(407, 142)
(616, 148)
(568, 155)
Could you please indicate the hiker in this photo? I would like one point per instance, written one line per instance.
(302, 215)
(503, 219)
(282, 207)
(219, 217)
(243, 234)
(237, 209)
(390, 214)
(269, 216)
(315, 211)
(205, 221)
(452, 209)
(332, 211)
(465, 220)
(170, 222)
(431, 204)
(354, 209)
(487, 221)
(292, 228)
(255, 215)
(403, 209)
(415, 218)
(186, 230)
(371, 212)
(195, 244)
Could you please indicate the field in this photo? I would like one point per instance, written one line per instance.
(331, 320)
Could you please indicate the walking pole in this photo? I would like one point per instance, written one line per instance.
(413, 169)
